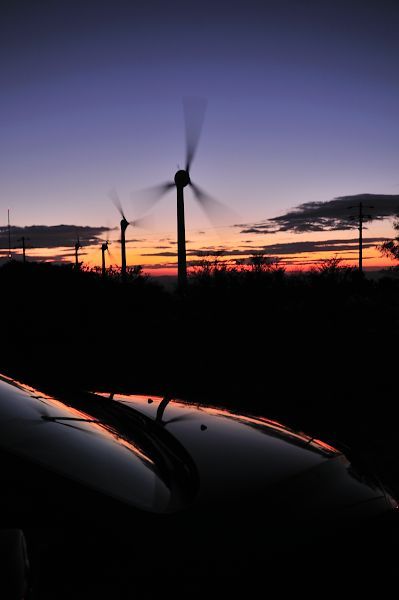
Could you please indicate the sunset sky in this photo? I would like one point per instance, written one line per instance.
(302, 98)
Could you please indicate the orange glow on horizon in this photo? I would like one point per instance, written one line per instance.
(157, 252)
(157, 265)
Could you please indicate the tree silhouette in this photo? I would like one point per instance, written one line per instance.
(390, 248)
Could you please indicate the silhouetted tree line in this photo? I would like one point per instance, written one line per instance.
(238, 327)
(390, 248)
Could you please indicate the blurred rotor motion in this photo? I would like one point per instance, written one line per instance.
(105, 249)
(194, 112)
(124, 224)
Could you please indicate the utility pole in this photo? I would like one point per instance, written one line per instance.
(77, 246)
(124, 226)
(9, 235)
(360, 218)
(23, 239)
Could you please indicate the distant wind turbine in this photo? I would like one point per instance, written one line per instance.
(124, 224)
(105, 250)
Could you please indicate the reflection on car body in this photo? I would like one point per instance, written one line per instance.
(204, 482)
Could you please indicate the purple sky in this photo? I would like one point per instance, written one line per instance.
(302, 105)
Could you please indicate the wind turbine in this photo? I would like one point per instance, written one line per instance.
(104, 249)
(124, 224)
(194, 112)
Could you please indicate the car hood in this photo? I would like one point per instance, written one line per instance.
(77, 445)
(240, 457)
(165, 456)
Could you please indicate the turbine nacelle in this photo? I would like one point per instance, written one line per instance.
(182, 179)
(124, 224)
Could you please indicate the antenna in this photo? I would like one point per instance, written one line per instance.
(161, 408)
(360, 217)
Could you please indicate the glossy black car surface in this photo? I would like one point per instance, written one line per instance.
(108, 484)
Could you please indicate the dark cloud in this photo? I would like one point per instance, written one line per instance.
(338, 246)
(54, 258)
(193, 252)
(316, 261)
(175, 242)
(160, 254)
(334, 245)
(335, 215)
(54, 236)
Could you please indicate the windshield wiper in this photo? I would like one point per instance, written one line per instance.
(55, 418)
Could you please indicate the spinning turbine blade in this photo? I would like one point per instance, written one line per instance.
(150, 196)
(194, 113)
(216, 211)
(111, 256)
(115, 199)
(145, 222)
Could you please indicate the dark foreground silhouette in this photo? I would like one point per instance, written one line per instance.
(318, 350)
(125, 497)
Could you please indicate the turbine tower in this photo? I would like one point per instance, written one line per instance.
(104, 249)
(124, 224)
